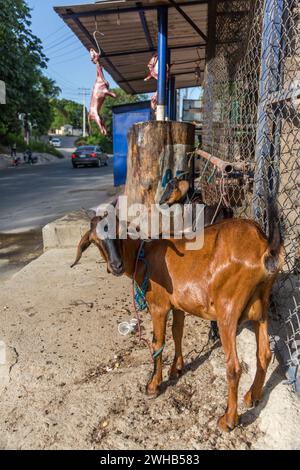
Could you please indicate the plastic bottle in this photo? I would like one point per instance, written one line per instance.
(126, 327)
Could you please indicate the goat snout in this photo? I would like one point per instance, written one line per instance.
(117, 268)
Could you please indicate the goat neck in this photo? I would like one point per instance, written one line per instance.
(129, 251)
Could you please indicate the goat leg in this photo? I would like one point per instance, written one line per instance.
(264, 356)
(229, 420)
(177, 331)
(159, 320)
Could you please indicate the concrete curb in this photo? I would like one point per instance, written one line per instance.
(66, 231)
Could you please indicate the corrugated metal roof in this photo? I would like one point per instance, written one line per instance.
(127, 48)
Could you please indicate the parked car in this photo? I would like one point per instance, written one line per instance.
(56, 142)
(89, 155)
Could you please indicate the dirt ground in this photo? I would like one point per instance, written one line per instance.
(71, 381)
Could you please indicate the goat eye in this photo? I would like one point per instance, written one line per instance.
(106, 228)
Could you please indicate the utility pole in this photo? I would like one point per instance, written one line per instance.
(84, 92)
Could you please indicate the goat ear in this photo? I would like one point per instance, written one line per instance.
(183, 186)
(82, 246)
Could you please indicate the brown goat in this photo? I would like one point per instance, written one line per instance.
(228, 280)
(178, 191)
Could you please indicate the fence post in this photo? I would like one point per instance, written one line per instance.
(269, 81)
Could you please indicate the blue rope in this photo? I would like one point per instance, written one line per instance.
(158, 352)
(140, 291)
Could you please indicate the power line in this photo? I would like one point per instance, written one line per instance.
(72, 59)
(68, 89)
(63, 78)
(66, 53)
(58, 38)
(63, 41)
(54, 32)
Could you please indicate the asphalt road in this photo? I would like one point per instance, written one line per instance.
(32, 196)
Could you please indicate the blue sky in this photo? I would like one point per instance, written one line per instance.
(69, 64)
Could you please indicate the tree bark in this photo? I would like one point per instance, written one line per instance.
(157, 151)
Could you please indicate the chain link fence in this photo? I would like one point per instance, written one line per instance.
(251, 122)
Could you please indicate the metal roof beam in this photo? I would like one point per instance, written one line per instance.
(188, 19)
(186, 72)
(145, 27)
(144, 51)
(171, 48)
(87, 14)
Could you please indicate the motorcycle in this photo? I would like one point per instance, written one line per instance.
(28, 158)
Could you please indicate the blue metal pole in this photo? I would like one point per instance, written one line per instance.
(162, 63)
(172, 99)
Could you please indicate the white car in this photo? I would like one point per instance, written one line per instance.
(56, 142)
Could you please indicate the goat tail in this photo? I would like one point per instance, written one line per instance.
(275, 240)
(82, 246)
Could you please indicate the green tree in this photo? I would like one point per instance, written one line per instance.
(21, 67)
(66, 112)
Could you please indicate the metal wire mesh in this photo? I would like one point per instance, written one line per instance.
(251, 119)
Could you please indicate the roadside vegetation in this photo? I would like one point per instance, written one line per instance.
(22, 63)
(65, 112)
(34, 145)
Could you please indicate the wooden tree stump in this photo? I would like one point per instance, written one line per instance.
(157, 151)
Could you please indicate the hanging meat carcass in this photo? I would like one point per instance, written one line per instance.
(153, 73)
(100, 92)
(153, 68)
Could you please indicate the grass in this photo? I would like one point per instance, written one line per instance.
(41, 147)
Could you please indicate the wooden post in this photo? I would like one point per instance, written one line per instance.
(157, 151)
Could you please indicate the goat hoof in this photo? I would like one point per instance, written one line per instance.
(224, 425)
(249, 400)
(176, 368)
(174, 373)
(152, 392)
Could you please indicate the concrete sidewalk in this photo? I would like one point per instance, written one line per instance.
(71, 381)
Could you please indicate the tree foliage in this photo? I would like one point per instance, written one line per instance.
(21, 67)
(66, 112)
